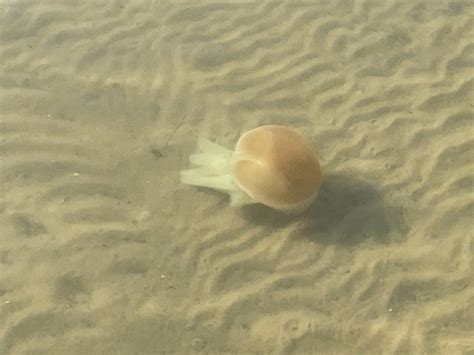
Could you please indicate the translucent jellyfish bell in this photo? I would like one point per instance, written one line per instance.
(272, 165)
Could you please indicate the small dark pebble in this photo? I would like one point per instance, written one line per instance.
(156, 153)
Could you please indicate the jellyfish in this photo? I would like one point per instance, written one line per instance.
(272, 165)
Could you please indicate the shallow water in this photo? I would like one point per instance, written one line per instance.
(104, 251)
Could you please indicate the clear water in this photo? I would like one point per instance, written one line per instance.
(103, 251)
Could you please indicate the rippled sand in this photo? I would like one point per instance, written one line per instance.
(104, 252)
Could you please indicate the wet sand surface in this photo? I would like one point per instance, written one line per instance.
(103, 251)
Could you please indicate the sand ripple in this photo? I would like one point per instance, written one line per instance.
(104, 252)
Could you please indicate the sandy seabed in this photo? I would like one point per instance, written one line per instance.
(103, 251)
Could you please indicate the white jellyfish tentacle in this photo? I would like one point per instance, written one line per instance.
(216, 159)
(239, 198)
(214, 167)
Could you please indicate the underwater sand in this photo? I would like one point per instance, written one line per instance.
(103, 251)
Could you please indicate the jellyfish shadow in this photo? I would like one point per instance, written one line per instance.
(347, 211)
